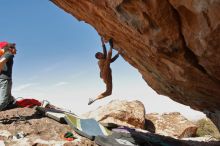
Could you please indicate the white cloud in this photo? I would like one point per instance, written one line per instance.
(61, 84)
(23, 86)
(78, 74)
(50, 68)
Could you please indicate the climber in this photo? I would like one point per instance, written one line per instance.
(105, 71)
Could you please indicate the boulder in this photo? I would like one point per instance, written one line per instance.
(172, 124)
(121, 112)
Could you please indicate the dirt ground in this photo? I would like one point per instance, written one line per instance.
(38, 130)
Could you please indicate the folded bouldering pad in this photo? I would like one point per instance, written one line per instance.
(88, 128)
(53, 114)
(110, 141)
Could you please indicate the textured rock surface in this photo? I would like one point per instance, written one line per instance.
(172, 124)
(173, 44)
(39, 130)
(124, 113)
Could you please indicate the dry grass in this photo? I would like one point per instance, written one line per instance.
(206, 127)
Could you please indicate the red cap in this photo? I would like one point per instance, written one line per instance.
(3, 44)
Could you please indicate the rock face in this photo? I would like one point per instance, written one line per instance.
(131, 114)
(173, 44)
(172, 124)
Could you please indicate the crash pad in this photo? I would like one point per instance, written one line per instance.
(88, 128)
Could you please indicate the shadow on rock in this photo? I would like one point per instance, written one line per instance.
(149, 126)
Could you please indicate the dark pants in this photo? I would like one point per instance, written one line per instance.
(5, 93)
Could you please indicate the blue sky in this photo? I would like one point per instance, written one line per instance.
(55, 61)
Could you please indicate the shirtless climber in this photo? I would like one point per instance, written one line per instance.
(105, 71)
